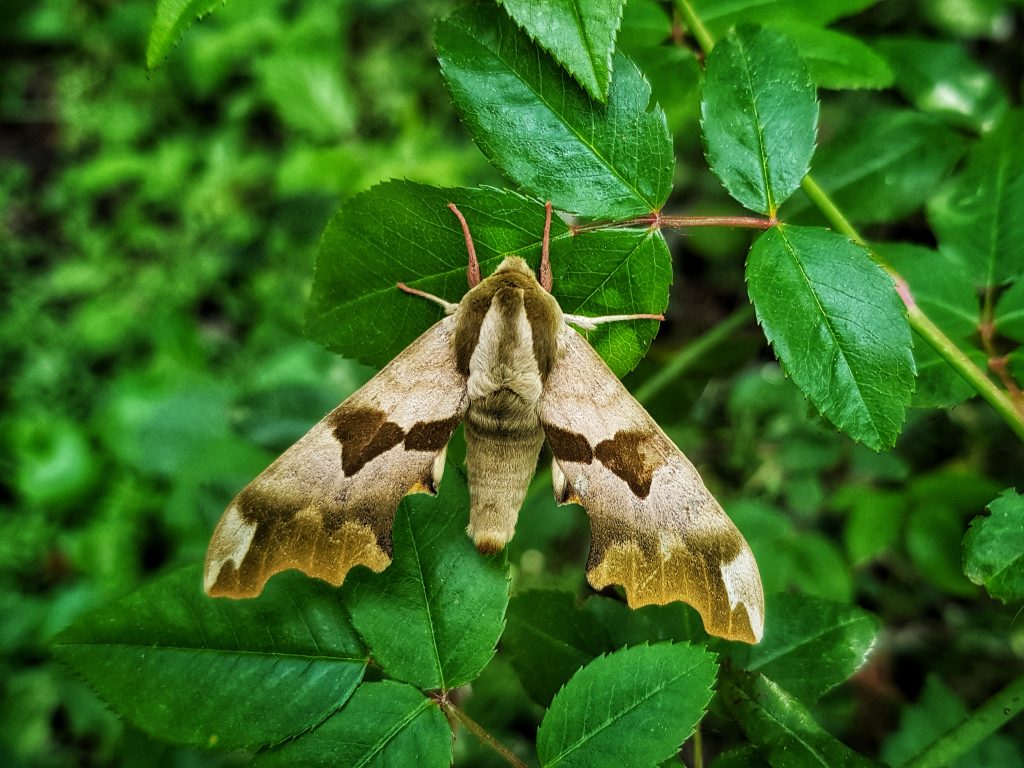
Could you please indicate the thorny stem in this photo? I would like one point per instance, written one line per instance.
(997, 363)
(660, 221)
(985, 720)
(480, 732)
(1011, 412)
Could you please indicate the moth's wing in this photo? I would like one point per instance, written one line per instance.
(327, 503)
(655, 528)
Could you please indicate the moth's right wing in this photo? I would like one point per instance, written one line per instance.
(327, 503)
(655, 528)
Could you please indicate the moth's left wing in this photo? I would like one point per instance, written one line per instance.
(327, 503)
(655, 528)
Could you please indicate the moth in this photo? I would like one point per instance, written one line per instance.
(507, 363)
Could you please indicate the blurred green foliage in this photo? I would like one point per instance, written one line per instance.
(157, 235)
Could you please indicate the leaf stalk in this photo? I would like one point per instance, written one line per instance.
(485, 736)
(694, 23)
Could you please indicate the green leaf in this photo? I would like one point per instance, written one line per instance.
(608, 162)
(759, 114)
(874, 522)
(994, 548)
(782, 727)
(941, 78)
(1009, 312)
(631, 708)
(837, 326)
(672, 70)
(173, 17)
(213, 672)
(883, 166)
(977, 214)
(549, 636)
(401, 231)
(991, 19)
(581, 37)
(434, 616)
(941, 286)
(810, 645)
(383, 724)
(837, 60)
(548, 639)
(933, 536)
(719, 17)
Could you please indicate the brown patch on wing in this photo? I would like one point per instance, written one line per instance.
(630, 454)
(364, 434)
(430, 435)
(568, 446)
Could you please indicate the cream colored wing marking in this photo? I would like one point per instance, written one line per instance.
(328, 502)
(656, 529)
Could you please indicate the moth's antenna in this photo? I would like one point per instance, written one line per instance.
(545, 257)
(473, 272)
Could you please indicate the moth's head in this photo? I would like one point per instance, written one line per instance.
(514, 264)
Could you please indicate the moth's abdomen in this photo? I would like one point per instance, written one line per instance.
(503, 430)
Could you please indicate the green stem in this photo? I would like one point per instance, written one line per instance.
(482, 734)
(983, 721)
(690, 353)
(698, 748)
(962, 364)
(831, 211)
(696, 26)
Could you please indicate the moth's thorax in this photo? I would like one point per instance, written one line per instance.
(512, 308)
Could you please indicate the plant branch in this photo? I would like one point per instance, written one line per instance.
(985, 720)
(997, 363)
(481, 733)
(695, 25)
(659, 221)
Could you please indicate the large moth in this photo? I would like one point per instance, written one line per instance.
(507, 363)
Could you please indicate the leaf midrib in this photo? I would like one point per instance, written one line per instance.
(572, 129)
(994, 214)
(223, 651)
(831, 331)
(762, 150)
(426, 606)
(802, 641)
(618, 716)
(378, 747)
(785, 727)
